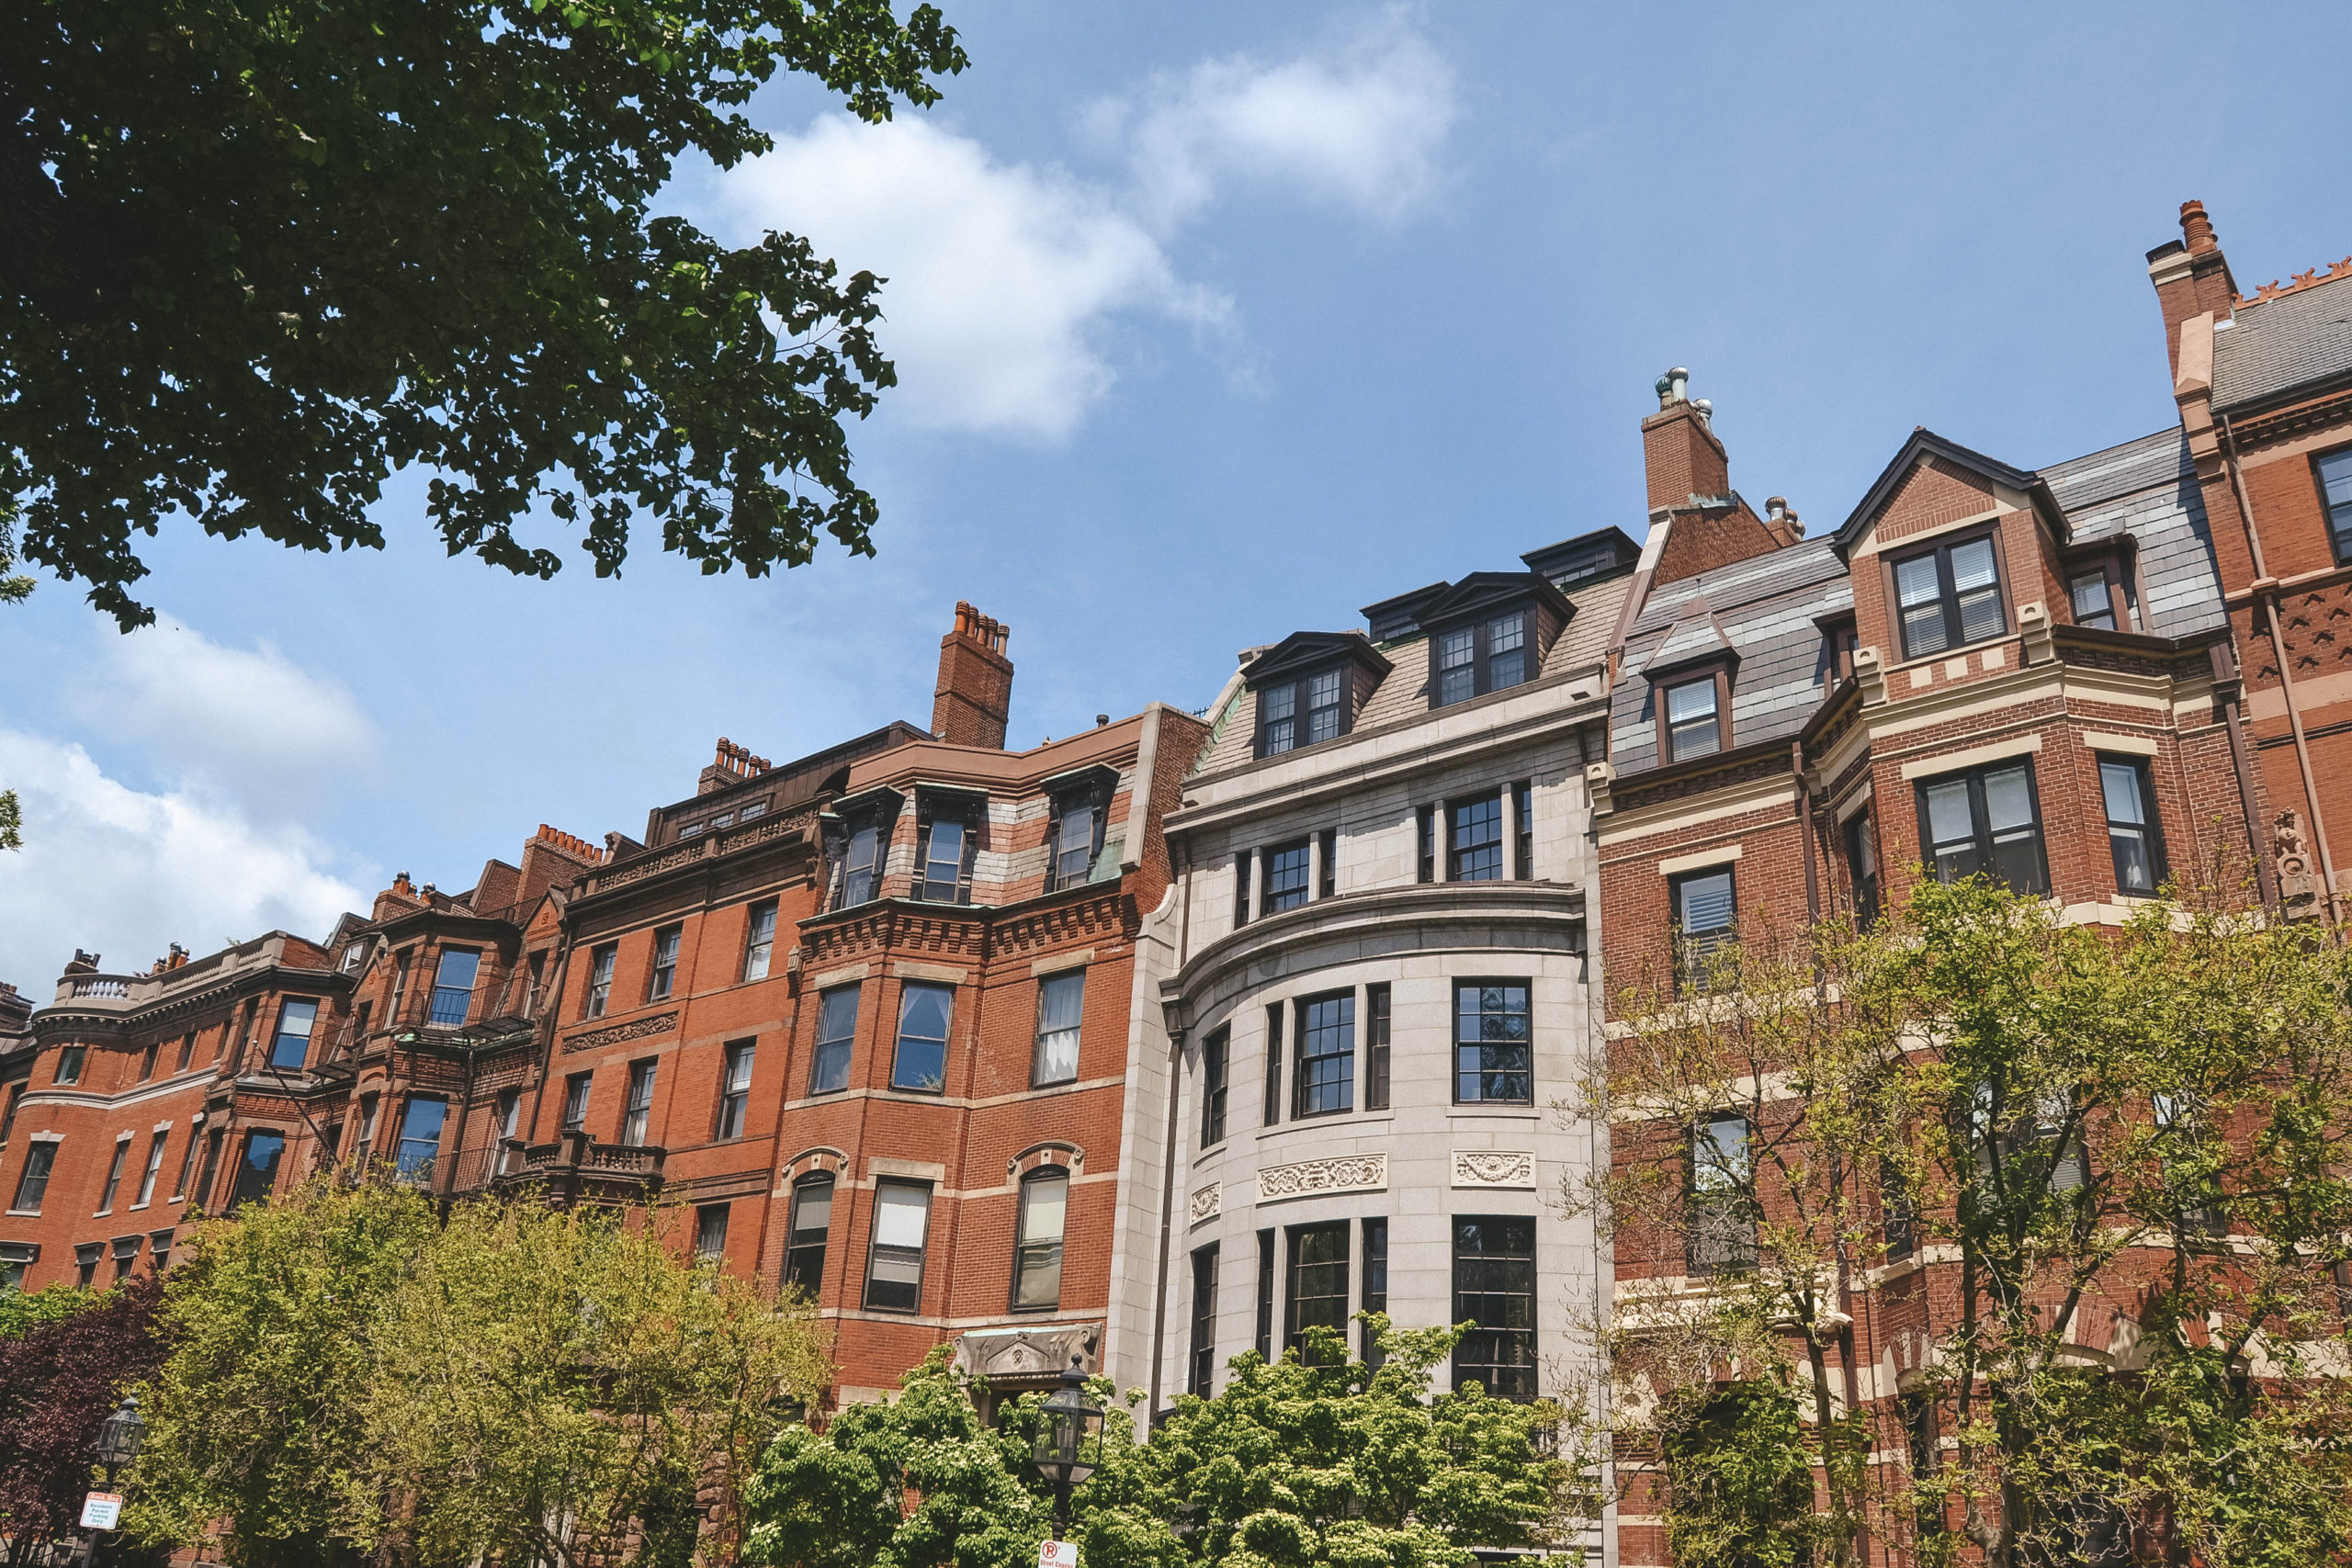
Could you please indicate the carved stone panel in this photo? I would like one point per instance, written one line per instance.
(1343, 1173)
(635, 1029)
(1208, 1202)
(1028, 1357)
(1494, 1167)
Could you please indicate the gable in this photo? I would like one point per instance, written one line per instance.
(1934, 493)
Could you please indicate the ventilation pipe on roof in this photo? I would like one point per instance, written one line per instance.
(1672, 386)
(1705, 410)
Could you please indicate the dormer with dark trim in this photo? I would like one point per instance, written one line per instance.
(1491, 632)
(1587, 557)
(1690, 675)
(1393, 620)
(1309, 687)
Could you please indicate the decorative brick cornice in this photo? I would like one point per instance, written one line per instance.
(2274, 289)
(635, 1029)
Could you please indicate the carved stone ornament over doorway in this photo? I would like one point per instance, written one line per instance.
(1020, 1358)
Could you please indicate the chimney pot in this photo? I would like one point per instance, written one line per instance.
(2196, 229)
(974, 698)
(1101, 720)
(1705, 410)
(1672, 386)
(1774, 505)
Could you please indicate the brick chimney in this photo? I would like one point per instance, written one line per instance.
(732, 765)
(1690, 486)
(2191, 279)
(975, 695)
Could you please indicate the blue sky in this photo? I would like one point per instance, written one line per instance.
(1214, 321)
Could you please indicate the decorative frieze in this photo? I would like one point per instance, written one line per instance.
(1494, 1167)
(635, 1029)
(1342, 1173)
(1208, 1203)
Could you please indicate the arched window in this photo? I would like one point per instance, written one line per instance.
(1037, 1247)
(812, 1221)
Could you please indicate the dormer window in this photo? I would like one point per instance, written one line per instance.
(1074, 828)
(860, 842)
(1949, 596)
(1302, 712)
(2100, 596)
(946, 842)
(1488, 656)
(1693, 719)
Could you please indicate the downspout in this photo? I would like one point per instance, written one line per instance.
(2270, 597)
(2227, 679)
(1180, 867)
(1804, 828)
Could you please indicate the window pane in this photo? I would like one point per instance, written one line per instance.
(812, 1218)
(1061, 999)
(1457, 668)
(1918, 594)
(1323, 705)
(2092, 606)
(836, 1029)
(1319, 1284)
(759, 943)
(292, 1047)
(1494, 1289)
(1037, 1266)
(1695, 700)
(2008, 802)
(457, 968)
(1491, 1043)
(1477, 846)
(1977, 586)
(1327, 1056)
(420, 1141)
(257, 1172)
(920, 1060)
(1286, 871)
(1949, 820)
(2127, 826)
(2119, 784)
(1707, 904)
(1506, 651)
(1719, 1161)
(2336, 482)
(901, 1225)
(1074, 850)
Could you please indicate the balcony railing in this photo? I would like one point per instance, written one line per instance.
(576, 1166)
(101, 985)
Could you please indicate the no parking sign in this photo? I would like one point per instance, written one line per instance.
(1058, 1554)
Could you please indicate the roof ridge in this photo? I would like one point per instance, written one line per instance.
(2274, 289)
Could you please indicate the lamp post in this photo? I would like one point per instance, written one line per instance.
(1071, 1445)
(121, 1437)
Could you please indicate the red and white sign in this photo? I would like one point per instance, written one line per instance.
(102, 1511)
(1058, 1554)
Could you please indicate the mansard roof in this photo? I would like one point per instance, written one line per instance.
(2297, 339)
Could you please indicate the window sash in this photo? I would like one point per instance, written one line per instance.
(926, 1015)
(32, 1182)
(1493, 1044)
(1949, 597)
(1494, 1290)
(759, 943)
(1323, 1081)
(114, 1175)
(1201, 1355)
(896, 1253)
(1286, 877)
(664, 974)
(256, 1167)
(1862, 866)
(811, 1225)
(1214, 1063)
(1375, 1051)
(1037, 1244)
(1061, 1007)
(1693, 720)
(1316, 1294)
(2093, 603)
(600, 980)
(836, 1034)
(1374, 1288)
(2335, 494)
(637, 1117)
(862, 867)
(1074, 837)
(1475, 846)
(949, 844)
(710, 1231)
(1706, 917)
(2133, 838)
(575, 1100)
(419, 1145)
(1489, 655)
(453, 987)
(154, 1170)
(735, 1090)
(297, 1019)
(1986, 819)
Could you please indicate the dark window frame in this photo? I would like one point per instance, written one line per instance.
(33, 1184)
(114, 1175)
(576, 1106)
(70, 1062)
(734, 1097)
(1243, 865)
(1094, 794)
(759, 946)
(1376, 1034)
(1324, 1075)
(1718, 674)
(1859, 837)
(1980, 819)
(1023, 1244)
(1473, 1286)
(1303, 710)
(840, 1049)
(1719, 1219)
(636, 1109)
(662, 966)
(1947, 593)
(603, 959)
(1265, 1337)
(1425, 822)
(1332, 1305)
(1484, 656)
(1273, 1107)
(1200, 1353)
(2335, 520)
(804, 1260)
(874, 1245)
(858, 886)
(1293, 893)
(1458, 849)
(2108, 566)
(1523, 845)
(1693, 951)
(438, 1004)
(1327, 878)
(1217, 1064)
(969, 812)
(707, 1248)
(278, 1036)
(410, 1166)
(907, 990)
(1372, 1283)
(2151, 827)
(241, 1190)
(1485, 1073)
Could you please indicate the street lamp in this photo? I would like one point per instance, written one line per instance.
(1071, 1445)
(121, 1437)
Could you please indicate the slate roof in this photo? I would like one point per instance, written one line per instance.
(1769, 605)
(2298, 339)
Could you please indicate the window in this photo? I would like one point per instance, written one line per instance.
(600, 980)
(637, 1116)
(399, 985)
(15, 1257)
(1706, 915)
(1330, 881)
(154, 1170)
(1061, 1002)
(869, 844)
(1487, 656)
(1074, 835)
(1325, 1080)
(257, 1171)
(147, 1061)
(2335, 494)
(1376, 1283)
(1492, 1054)
(354, 956)
(2093, 597)
(1241, 888)
(420, 1139)
(69, 1064)
(8, 1116)
(1214, 1054)
(453, 987)
(1475, 845)
(114, 1174)
(1427, 827)
(710, 1231)
(1949, 597)
(1721, 1202)
(1862, 865)
(1919, 1430)
(187, 1166)
(1274, 1111)
(126, 1253)
(1693, 720)
(1037, 1243)
(2193, 1185)
(531, 989)
(1898, 1217)
(1493, 1290)
(1303, 711)
(688, 829)
(1984, 820)
(920, 1060)
(1265, 1340)
(188, 1055)
(2125, 783)
(1318, 1292)
(213, 1143)
(836, 1031)
(812, 1221)
(1522, 855)
(1376, 1048)
(901, 1229)
(296, 1021)
(575, 1100)
(723, 820)
(32, 1182)
(734, 1088)
(1201, 1356)
(510, 1112)
(948, 843)
(759, 940)
(1286, 874)
(85, 1263)
(663, 977)
(752, 808)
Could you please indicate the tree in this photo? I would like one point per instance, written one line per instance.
(60, 1378)
(2123, 1152)
(262, 255)
(554, 1385)
(1290, 1465)
(14, 589)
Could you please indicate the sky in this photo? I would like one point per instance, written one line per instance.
(1214, 321)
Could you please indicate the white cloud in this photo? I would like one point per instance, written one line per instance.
(1001, 276)
(1364, 131)
(125, 873)
(1006, 279)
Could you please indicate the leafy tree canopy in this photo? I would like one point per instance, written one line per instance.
(66, 1358)
(261, 256)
